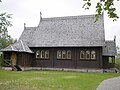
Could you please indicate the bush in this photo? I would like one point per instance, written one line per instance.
(1, 59)
(117, 62)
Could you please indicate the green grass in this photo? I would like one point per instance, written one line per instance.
(51, 80)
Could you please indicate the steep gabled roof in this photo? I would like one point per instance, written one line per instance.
(66, 31)
(110, 48)
(27, 35)
(19, 46)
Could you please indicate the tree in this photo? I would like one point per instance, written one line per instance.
(103, 5)
(5, 39)
(118, 51)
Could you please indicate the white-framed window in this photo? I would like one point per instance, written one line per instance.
(58, 54)
(68, 54)
(63, 54)
(93, 55)
(46, 54)
(87, 54)
(82, 54)
(42, 54)
(37, 54)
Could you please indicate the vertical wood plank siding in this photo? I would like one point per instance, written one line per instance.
(25, 59)
(74, 62)
(30, 60)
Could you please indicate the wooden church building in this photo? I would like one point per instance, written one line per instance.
(63, 42)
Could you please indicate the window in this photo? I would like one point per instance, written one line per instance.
(93, 55)
(82, 55)
(42, 54)
(46, 54)
(58, 54)
(68, 54)
(38, 54)
(87, 54)
(63, 54)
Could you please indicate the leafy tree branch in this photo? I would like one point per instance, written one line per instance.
(101, 6)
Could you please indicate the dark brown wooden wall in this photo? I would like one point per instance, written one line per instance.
(64, 63)
(106, 63)
(24, 59)
(75, 62)
(7, 55)
(37, 62)
(81, 63)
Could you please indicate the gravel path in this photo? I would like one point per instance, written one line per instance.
(110, 84)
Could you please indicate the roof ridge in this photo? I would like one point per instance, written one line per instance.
(30, 27)
(68, 17)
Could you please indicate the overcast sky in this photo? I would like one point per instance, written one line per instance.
(28, 11)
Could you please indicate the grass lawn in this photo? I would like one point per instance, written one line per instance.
(51, 80)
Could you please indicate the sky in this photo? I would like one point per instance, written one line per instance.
(28, 11)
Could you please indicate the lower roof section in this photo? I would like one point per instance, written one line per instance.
(110, 48)
(19, 46)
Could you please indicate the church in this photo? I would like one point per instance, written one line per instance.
(74, 42)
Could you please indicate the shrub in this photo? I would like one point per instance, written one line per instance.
(1, 59)
(117, 62)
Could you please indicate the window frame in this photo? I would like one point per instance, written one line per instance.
(46, 53)
(38, 52)
(81, 54)
(69, 53)
(42, 54)
(64, 53)
(88, 54)
(59, 53)
(93, 54)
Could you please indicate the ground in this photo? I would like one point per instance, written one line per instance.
(51, 80)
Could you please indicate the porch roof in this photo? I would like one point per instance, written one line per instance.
(110, 48)
(19, 46)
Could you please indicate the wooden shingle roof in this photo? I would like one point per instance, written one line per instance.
(66, 32)
(110, 48)
(19, 46)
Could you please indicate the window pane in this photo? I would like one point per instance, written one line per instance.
(46, 54)
(68, 54)
(63, 54)
(93, 55)
(87, 54)
(42, 54)
(38, 54)
(82, 55)
(58, 54)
